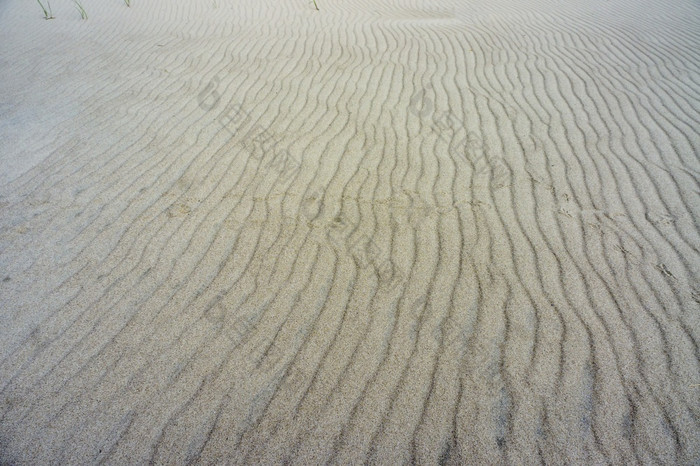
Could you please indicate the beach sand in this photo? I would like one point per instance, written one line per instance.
(382, 232)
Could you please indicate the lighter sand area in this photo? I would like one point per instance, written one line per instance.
(386, 232)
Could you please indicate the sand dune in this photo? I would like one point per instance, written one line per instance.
(385, 231)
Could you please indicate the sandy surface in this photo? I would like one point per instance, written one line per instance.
(385, 232)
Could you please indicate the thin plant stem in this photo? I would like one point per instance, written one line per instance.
(48, 14)
(83, 13)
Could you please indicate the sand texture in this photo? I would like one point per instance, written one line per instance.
(385, 232)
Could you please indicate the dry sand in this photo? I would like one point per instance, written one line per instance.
(385, 231)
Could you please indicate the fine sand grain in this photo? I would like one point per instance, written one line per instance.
(386, 231)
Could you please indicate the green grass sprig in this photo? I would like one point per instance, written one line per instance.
(48, 14)
(83, 13)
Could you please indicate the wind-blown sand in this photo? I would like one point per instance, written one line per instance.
(385, 231)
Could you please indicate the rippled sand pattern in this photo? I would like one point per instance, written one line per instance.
(384, 232)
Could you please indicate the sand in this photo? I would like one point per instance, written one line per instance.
(385, 231)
